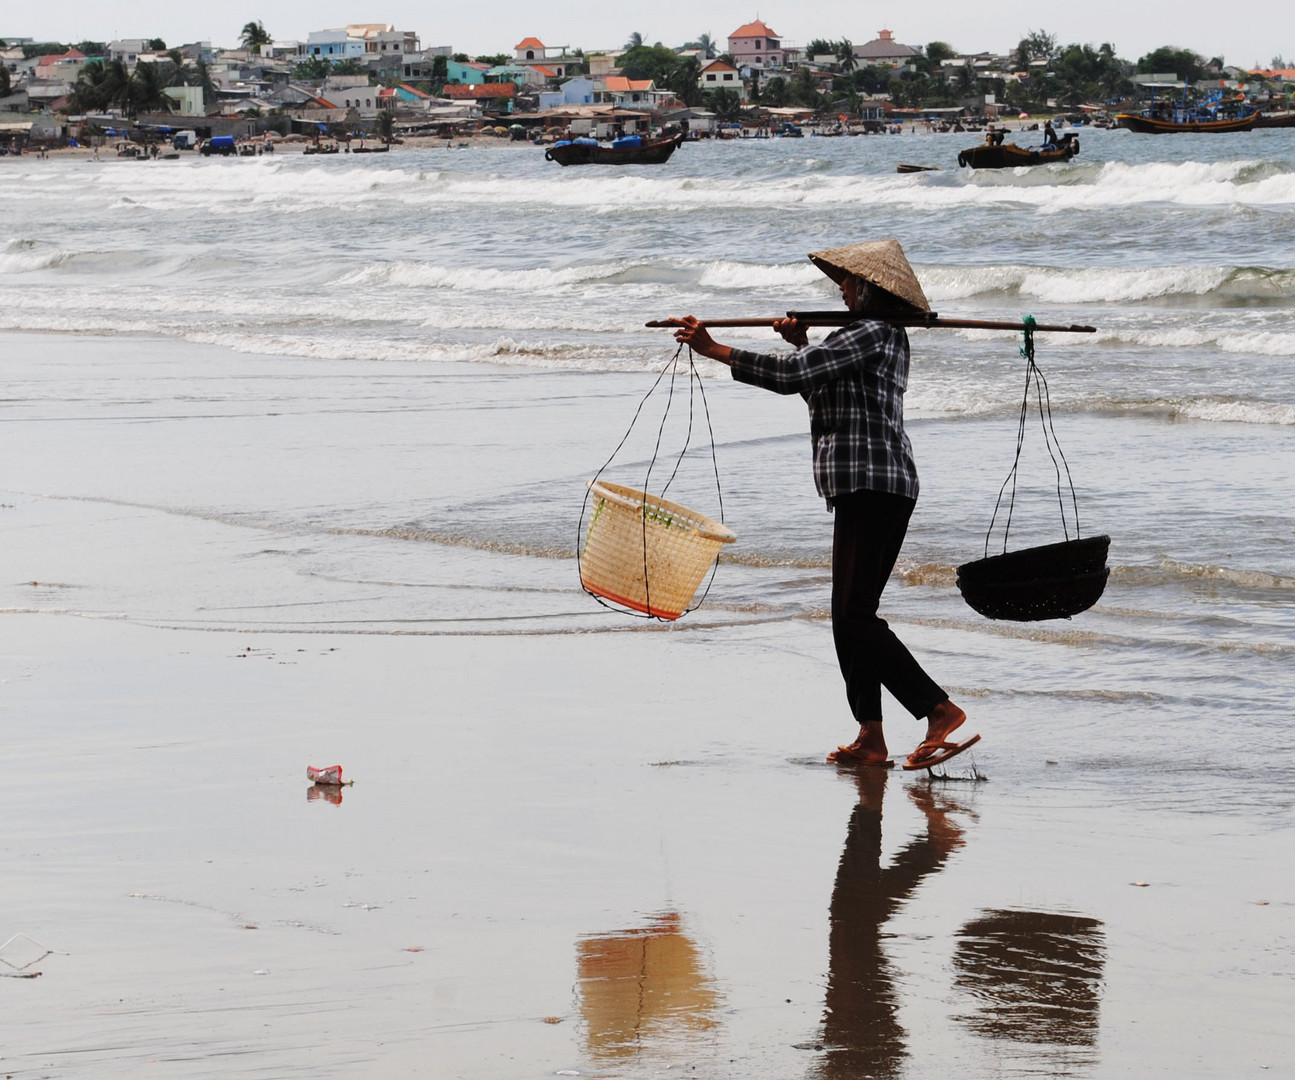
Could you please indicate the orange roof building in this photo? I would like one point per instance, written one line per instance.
(757, 46)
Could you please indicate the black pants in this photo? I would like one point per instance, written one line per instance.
(870, 529)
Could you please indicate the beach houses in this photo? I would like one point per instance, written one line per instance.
(551, 63)
(885, 51)
(755, 45)
(359, 41)
(717, 75)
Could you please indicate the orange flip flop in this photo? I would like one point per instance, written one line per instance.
(930, 753)
(848, 755)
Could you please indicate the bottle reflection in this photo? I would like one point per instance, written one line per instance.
(1036, 976)
(861, 1034)
(641, 987)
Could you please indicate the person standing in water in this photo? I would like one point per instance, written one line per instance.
(854, 382)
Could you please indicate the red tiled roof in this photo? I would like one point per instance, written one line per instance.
(753, 29)
(529, 43)
(480, 90)
(412, 90)
(548, 72)
(71, 54)
(618, 84)
(719, 65)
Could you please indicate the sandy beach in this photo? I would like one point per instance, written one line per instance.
(576, 844)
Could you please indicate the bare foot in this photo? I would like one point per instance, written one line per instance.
(868, 749)
(943, 721)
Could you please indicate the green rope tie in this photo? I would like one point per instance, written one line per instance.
(1027, 349)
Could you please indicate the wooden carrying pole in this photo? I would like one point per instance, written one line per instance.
(931, 320)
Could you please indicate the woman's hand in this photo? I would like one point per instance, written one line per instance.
(792, 331)
(693, 333)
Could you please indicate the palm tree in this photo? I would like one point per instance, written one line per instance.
(635, 41)
(845, 55)
(202, 77)
(101, 85)
(254, 36)
(144, 90)
(707, 45)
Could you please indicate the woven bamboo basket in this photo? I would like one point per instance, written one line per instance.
(647, 553)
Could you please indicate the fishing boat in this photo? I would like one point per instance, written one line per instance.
(629, 150)
(1154, 125)
(1009, 156)
(1275, 120)
(1215, 113)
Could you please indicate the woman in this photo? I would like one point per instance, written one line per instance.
(854, 385)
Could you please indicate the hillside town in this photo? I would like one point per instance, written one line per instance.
(377, 81)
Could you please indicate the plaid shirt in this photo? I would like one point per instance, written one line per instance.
(854, 383)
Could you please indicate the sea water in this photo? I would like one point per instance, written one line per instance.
(462, 347)
(363, 396)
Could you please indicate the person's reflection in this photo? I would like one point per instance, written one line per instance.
(642, 986)
(1036, 976)
(861, 1035)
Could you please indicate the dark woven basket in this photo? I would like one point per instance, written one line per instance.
(1054, 581)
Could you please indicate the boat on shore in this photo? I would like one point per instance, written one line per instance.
(630, 150)
(991, 155)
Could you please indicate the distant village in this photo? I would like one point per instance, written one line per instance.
(374, 80)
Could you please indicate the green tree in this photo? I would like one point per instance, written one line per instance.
(649, 62)
(386, 124)
(461, 58)
(1184, 63)
(682, 81)
(497, 60)
(935, 52)
(1075, 72)
(803, 90)
(43, 48)
(726, 104)
(440, 68)
(1036, 45)
(254, 36)
(144, 89)
(92, 48)
(707, 45)
(4, 81)
(313, 69)
(819, 47)
(156, 45)
(202, 77)
(100, 85)
(872, 79)
(774, 92)
(635, 41)
(845, 55)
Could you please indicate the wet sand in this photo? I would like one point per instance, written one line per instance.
(520, 798)
(574, 845)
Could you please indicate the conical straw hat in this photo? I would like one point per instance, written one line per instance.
(880, 262)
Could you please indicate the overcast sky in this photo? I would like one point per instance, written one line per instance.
(1243, 35)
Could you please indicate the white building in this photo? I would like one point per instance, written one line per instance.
(128, 50)
(532, 52)
(718, 75)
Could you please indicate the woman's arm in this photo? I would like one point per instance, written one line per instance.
(693, 333)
